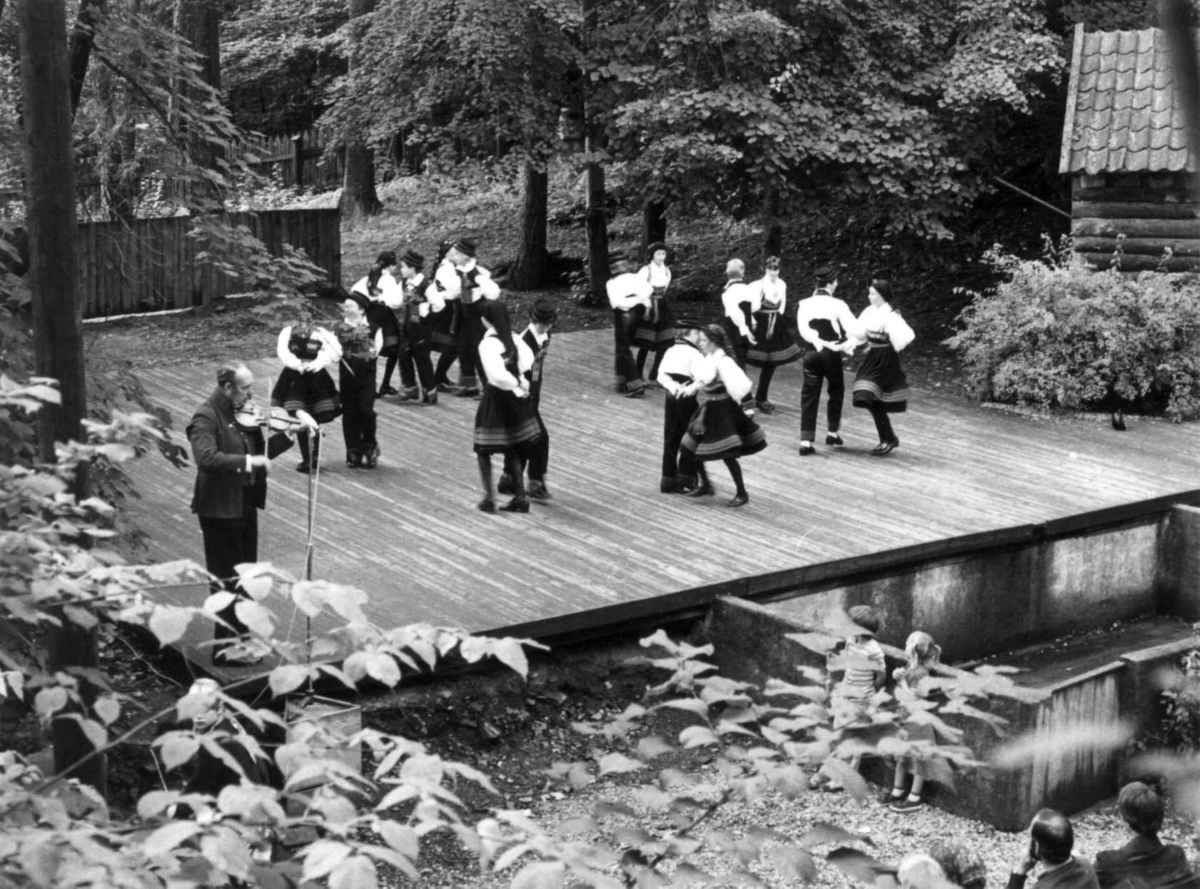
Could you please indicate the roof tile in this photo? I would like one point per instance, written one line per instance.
(1136, 140)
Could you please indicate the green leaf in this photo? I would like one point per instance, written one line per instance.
(169, 837)
(400, 837)
(617, 763)
(287, 678)
(698, 736)
(541, 875)
(169, 623)
(323, 856)
(50, 700)
(354, 873)
(177, 748)
(108, 708)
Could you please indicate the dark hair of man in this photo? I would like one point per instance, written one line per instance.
(1054, 835)
(228, 373)
(1141, 808)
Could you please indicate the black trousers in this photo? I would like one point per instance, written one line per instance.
(625, 325)
(357, 384)
(415, 361)
(677, 413)
(470, 335)
(823, 365)
(538, 455)
(230, 542)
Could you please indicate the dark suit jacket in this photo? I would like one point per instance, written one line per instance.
(1075, 874)
(1147, 862)
(219, 448)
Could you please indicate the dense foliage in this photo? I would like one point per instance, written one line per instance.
(1055, 333)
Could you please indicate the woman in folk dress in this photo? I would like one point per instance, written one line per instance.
(880, 385)
(306, 351)
(656, 333)
(505, 422)
(383, 296)
(721, 429)
(774, 345)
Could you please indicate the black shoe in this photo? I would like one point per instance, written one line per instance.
(670, 486)
(487, 504)
(447, 388)
(372, 457)
(505, 485)
(885, 447)
(515, 505)
(387, 390)
(765, 406)
(303, 467)
(739, 500)
(353, 458)
(834, 440)
(807, 450)
(409, 393)
(430, 397)
(705, 490)
(467, 392)
(537, 491)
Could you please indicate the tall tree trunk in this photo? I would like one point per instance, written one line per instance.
(82, 38)
(358, 185)
(199, 22)
(597, 197)
(654, 223)
(532, 267)
(57, 312)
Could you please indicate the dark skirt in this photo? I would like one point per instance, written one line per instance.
(505, 423)
(311, 392)
(659, 332)
(774, 344)
(380, 317)
(881, 380)
(444, 327)
(720, 430)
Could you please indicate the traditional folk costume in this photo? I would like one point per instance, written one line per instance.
(880, 385)
(824, 321)
(445, 314)
(477, 286)
(305, 352)
(383, 298)
(416, 329)
(681, 367)
(542, 315)
(773, 345)
(720, 428)
(740, 301)
(656, 332)
(505, 422)
(630, 295)
(360, 344)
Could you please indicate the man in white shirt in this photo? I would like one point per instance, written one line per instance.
(827, 323)
(477, 285)
(740, 301)
(679, 373)
(629, 295)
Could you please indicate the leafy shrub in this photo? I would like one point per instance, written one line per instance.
(1057, 334)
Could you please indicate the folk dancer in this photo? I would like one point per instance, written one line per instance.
(721, 429)
(629, 295)
(476, 286)
(305, 351)
(416, 365)
(383, 297)
(657, 330)
(825, 322)
(537, 337)
(359, 343)
(880, 385)
(504, 422)
(232, 461)
(679, 373)
(445, 315)
(740, 301)
(773, 345)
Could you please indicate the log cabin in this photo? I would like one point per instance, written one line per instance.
(1135, 194)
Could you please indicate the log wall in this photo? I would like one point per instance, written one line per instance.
(1135, 219)
(151, 264)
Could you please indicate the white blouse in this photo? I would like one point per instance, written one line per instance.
(884, 320)
(657, 275)
(772, 294)
(491, 356)
(628, 290)
(390, 293)
(719, 366)
(736, 293)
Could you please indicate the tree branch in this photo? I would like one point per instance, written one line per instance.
(82, 40)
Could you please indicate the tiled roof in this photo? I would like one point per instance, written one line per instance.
(1124, 113)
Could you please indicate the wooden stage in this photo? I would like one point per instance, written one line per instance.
(610, 544)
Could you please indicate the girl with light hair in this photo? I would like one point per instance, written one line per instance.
(923, 655)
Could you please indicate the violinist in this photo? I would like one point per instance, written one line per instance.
(232, 461)
(356, 379)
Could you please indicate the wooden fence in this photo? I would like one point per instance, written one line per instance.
(151, 264)
(298, 161)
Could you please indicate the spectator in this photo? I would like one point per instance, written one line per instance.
(962, 867)
(1050, 841)
(923, 654)
(1145, 862)
(920, 871)
(860, 662)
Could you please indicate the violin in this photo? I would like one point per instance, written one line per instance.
(275, 419)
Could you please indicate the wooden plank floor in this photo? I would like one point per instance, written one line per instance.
(409, 534)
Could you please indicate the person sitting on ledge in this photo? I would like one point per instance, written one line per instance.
(1145, 862)
(1051, 839)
